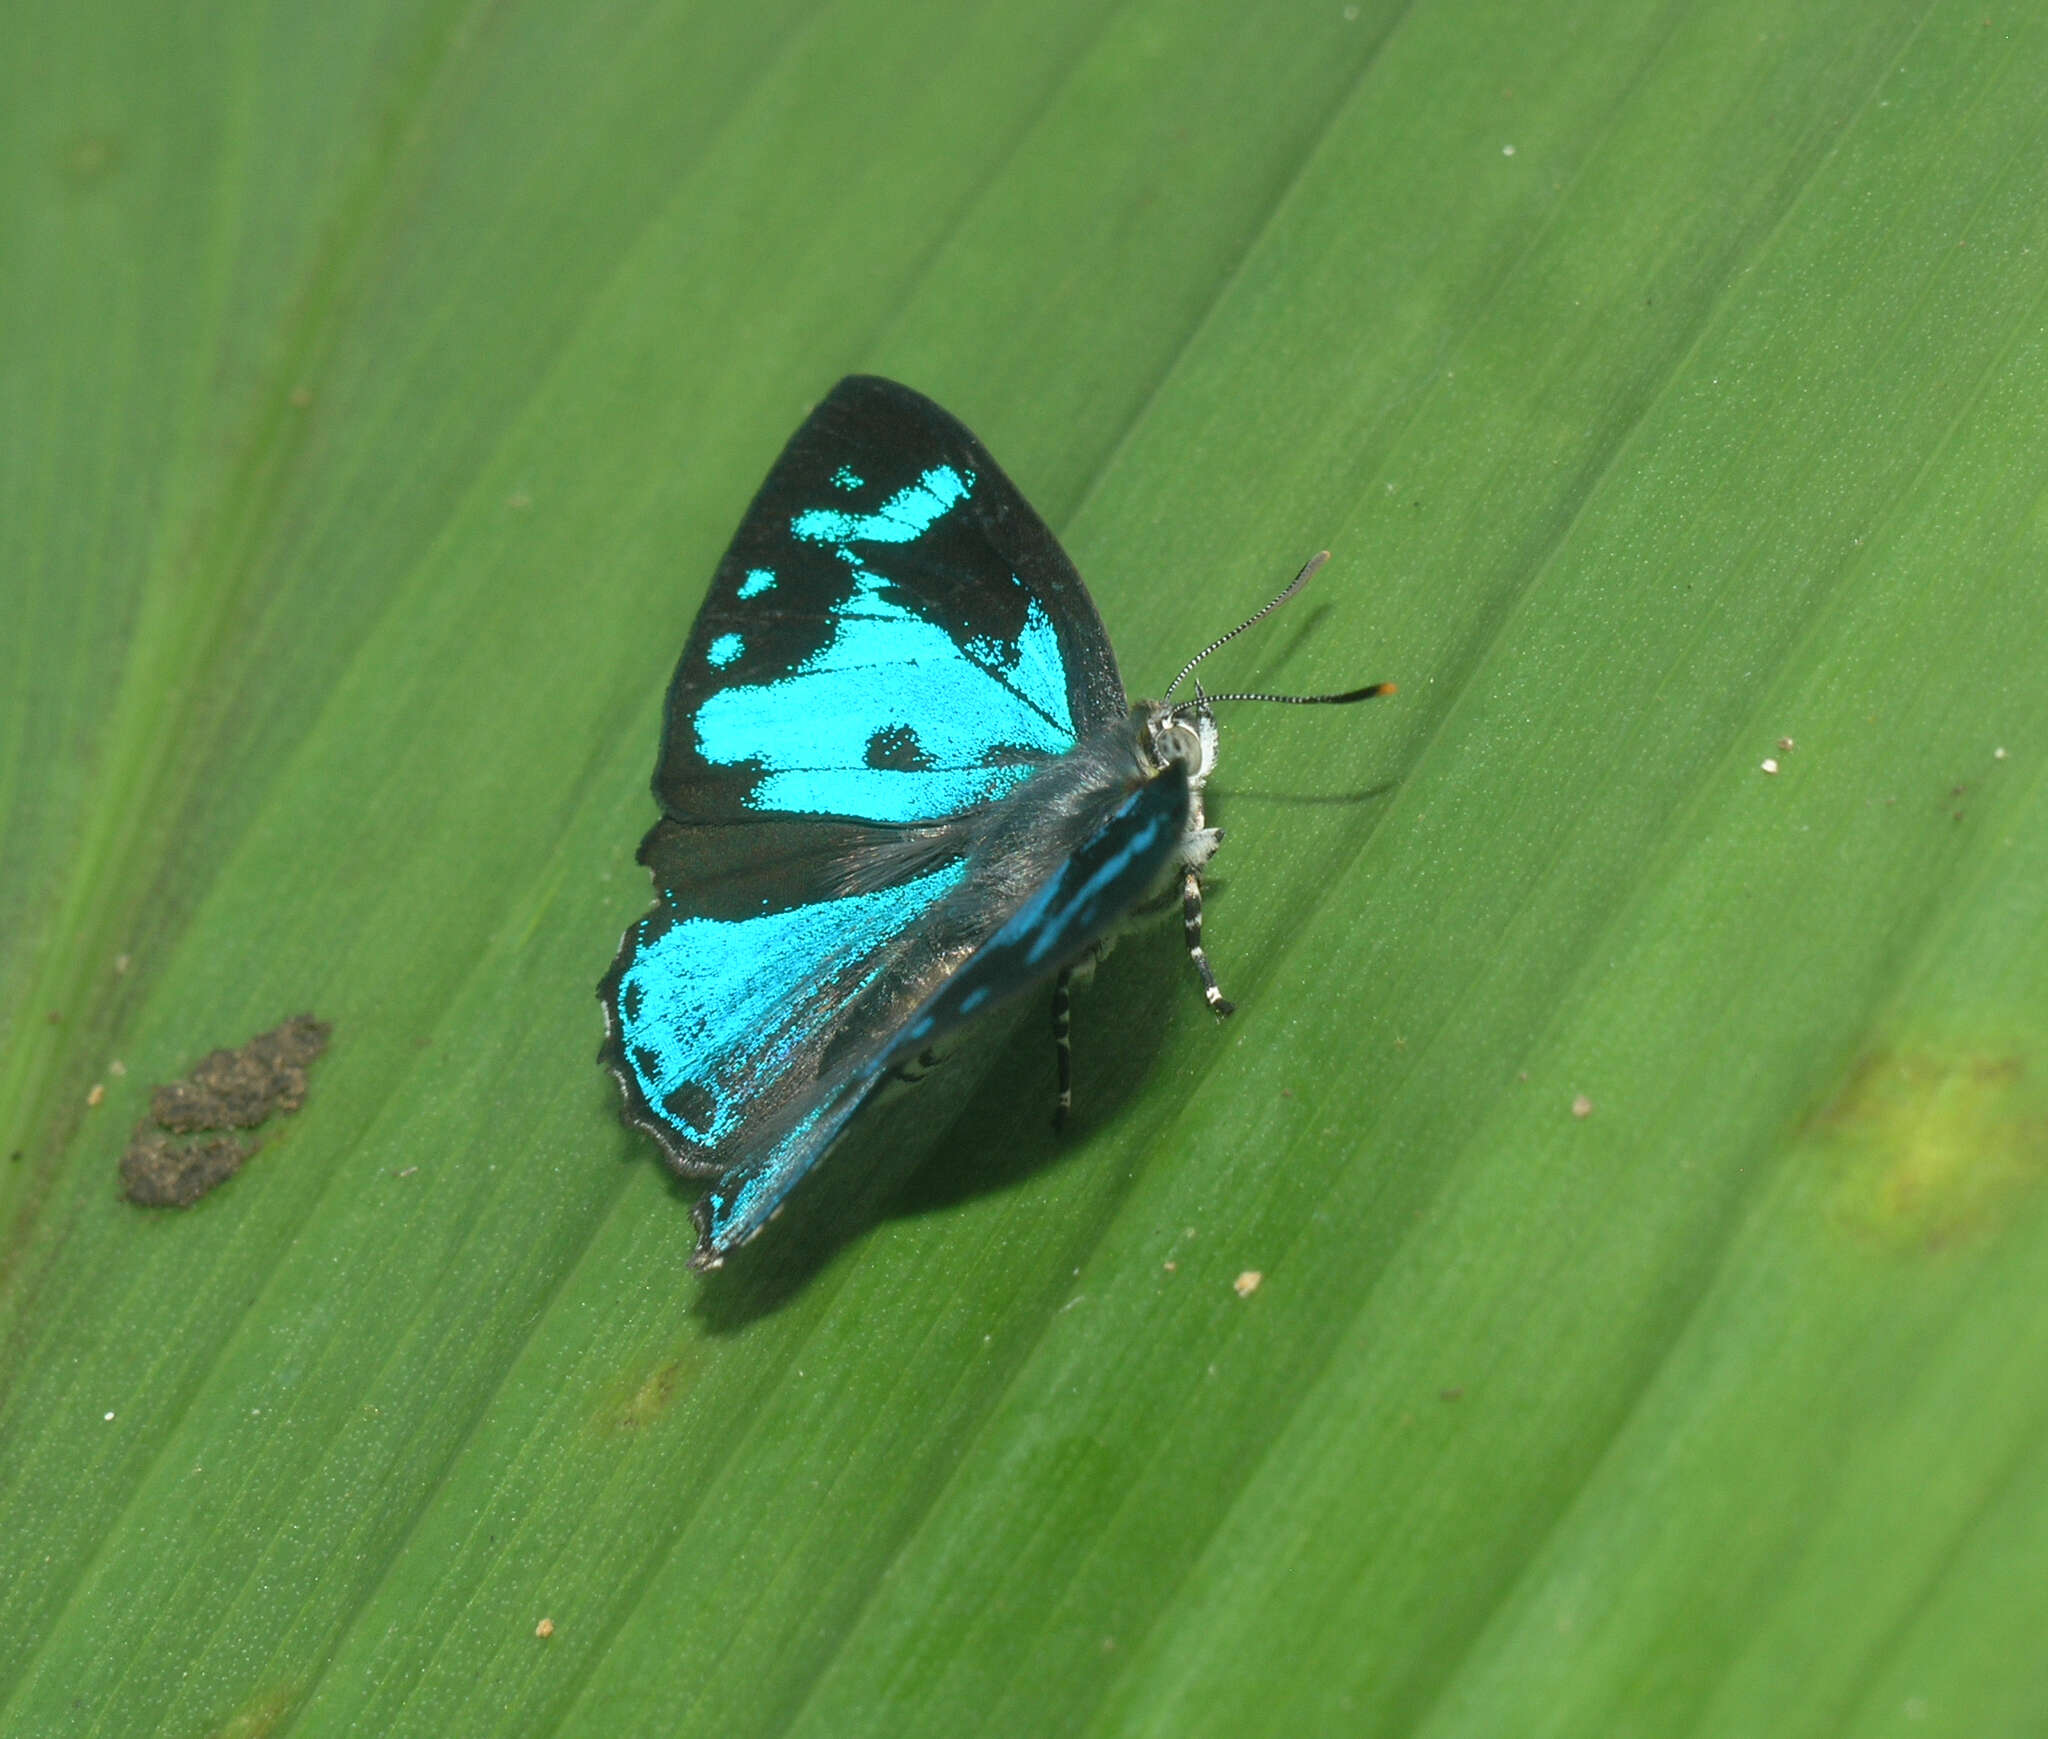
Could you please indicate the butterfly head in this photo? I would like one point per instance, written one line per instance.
(1179, 734)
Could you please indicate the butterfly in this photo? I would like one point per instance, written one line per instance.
(899, 783)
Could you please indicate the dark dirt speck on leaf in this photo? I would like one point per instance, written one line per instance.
(227, 1090)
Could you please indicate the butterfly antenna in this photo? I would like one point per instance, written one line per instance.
(1308, 572)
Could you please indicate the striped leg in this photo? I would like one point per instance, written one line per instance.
(1064, 1046)
(1191, 924)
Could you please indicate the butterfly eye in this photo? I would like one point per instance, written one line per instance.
(1182, 743)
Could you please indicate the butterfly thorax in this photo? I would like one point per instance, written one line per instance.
(1026, 840)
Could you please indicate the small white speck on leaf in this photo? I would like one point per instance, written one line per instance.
(544, 1629)
(1507, 150)
(1769, 765)
(110, 1418)
(1247, 1283)
(1582, 1106)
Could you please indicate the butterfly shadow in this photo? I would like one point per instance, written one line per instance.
(992, 1102)
(1253, 797)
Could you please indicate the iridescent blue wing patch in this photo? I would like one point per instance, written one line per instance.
(717, 1026)
(893, 637)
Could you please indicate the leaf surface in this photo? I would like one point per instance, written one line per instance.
(1637, 1110)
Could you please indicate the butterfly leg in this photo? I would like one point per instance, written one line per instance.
(1191, 925)
(1063, 1045)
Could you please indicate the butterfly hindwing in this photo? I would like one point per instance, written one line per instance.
(1086, 896)
(1108, 874)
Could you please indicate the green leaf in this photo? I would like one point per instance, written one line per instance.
(1642, 1149)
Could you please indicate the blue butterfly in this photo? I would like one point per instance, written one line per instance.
(899, 783)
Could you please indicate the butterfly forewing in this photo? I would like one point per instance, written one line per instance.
(894, 636)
